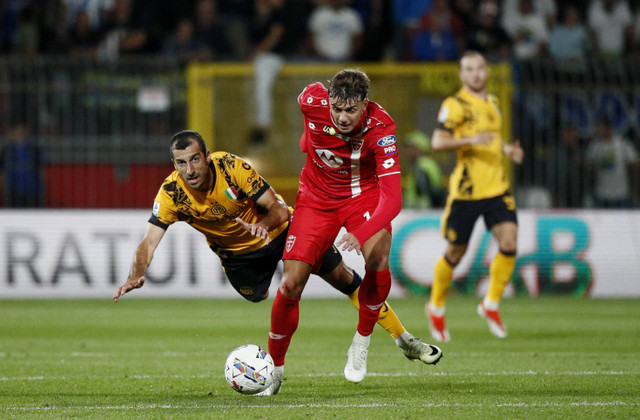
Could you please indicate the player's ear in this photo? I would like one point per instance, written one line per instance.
(208, 156)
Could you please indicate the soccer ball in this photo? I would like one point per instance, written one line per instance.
(249, 369)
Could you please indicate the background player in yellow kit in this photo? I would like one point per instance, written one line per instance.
(470, 123)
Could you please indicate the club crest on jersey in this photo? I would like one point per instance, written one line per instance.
(356, 143)
(291, 239)
(387, 141)
(329, 158)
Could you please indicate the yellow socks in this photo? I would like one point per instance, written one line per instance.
(443, 273)
(500, 272)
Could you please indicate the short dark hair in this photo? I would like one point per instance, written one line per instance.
(349, 84)
(183, 139)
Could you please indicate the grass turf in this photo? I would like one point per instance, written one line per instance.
(163, 358)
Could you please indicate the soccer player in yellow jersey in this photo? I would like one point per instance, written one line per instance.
(245, 223)
(470, 123)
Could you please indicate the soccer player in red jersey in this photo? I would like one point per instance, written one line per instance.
(351, 179)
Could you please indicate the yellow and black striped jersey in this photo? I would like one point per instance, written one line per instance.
(479, 171)
(236, 188)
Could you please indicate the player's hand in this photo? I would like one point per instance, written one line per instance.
(514, 151)
(349, 243)
(127, 287)
(482, 139)
(255, 230)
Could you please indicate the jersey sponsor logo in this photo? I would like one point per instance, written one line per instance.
(329, 158)
(387, 141)
(291, 240)
(389, 150)
(388, 163)
(329, 130)
(156, 208)
(443, 116)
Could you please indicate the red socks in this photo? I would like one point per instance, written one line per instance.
(373, 292)
(284, 322)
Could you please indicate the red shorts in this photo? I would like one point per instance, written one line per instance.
(314, 229)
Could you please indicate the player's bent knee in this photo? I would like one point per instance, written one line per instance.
(291, 289)
(378, 262)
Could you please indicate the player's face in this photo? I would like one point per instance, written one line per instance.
(193, 166)
(474, 73)
(347, 114)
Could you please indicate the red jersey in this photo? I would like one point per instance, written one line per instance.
(342, 166)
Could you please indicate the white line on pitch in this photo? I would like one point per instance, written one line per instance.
(323, 375)
(280, 406)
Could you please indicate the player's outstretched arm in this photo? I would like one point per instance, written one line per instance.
(141, 260)
(277, 214)
(443, 140)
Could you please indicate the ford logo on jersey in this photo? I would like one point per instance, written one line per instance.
(387, 141)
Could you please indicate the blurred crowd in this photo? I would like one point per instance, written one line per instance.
(337, 30)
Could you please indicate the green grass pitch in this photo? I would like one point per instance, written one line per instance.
(163, 358)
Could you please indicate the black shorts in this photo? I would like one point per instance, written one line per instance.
(461, 216)
(251, 273)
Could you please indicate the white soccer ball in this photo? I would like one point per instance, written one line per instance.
(249, 369)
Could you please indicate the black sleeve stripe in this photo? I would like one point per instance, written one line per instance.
(441, 126)
(155, 221)
(261, 191)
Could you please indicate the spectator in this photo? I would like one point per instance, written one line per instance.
(406, 16)
(545, 8)
(210, 32)
(26, 41)
(122, 33)
(528, 30)
(636, 32)
(273, 36)
(424, 177)
(486, 35)
(183, 44)
(466, 11)
(378, 29)
(21, 166)
(610, 23)
(434, 43)
(567, 169)
(82, 39)
(569, 42)
(611, 157)
(95, 9)
(439, 35)
(336, 31)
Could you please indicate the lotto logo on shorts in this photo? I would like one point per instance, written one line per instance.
(291, 239)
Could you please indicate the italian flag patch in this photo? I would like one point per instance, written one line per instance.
(231, 193)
